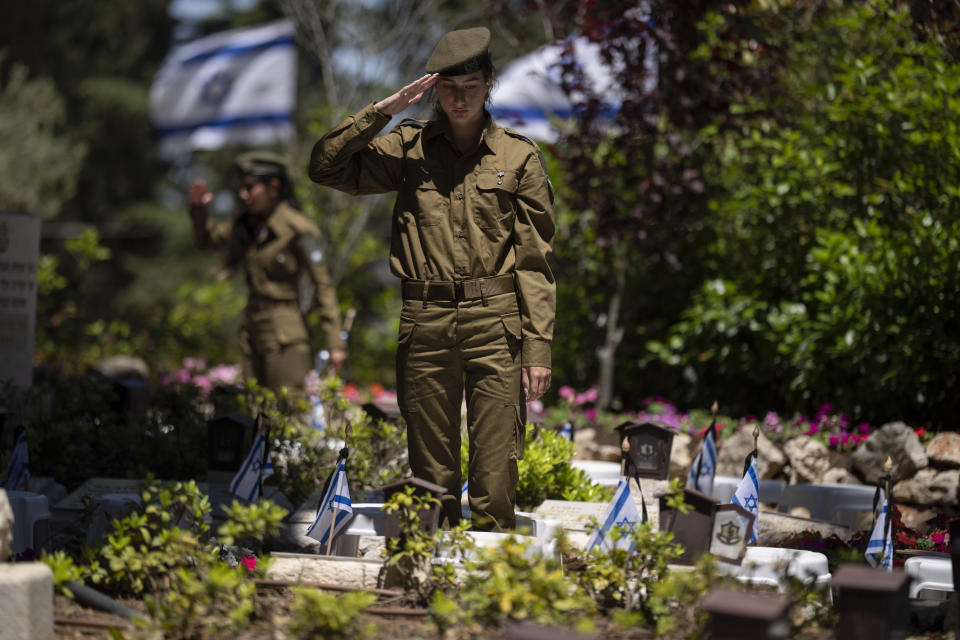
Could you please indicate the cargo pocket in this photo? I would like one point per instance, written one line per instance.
(288, 325)
(519, 432)
(512, 332)
(405, 396)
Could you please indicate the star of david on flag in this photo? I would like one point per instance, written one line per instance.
(254, 470)
(335, 507)
(18, 470)
(622, 512)
(704, 466)
(748, 495)
(879, 551)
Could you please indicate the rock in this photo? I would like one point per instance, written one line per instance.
(6, 526)
(298, 567)
(680, 456)
(122, 366)
(734, 450)
(929, 488)
(839, 476)
(945, 449)
(26, 601)
(809, 459)
(592, 446)
(777, 527)
(915, 517)
(895, 440)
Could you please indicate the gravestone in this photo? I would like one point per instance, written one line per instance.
(19, 254)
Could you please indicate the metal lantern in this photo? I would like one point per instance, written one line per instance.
(873, 604)
(646, 448)
(229, 437)
(744, 614)
(382, 409)
(429, 518)
(709, 527)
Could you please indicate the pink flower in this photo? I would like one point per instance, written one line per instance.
(249, 562)
(350, 392)
(590, 414)
(834, 441)
(203, 382)
(535, 407)
(863, 428)
(566, 392)
(591, 394)
(846, 438)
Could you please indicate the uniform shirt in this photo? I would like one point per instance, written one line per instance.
(286, 245)
(457, 216)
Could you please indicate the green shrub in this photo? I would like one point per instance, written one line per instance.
(321, 615)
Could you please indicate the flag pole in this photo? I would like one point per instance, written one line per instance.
(887, 469)
(336, 507)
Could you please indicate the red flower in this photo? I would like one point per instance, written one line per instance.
(249, 562)
(920, 431)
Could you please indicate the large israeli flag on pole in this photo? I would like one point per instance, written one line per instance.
(335, 508)
(879, 551)
(622, 512)
(254, 470)
(232, 87)
(704, 466)
(748, 495)
(18, 471)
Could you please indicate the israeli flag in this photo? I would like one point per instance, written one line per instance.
(253, 471)
(704, 466)
(18, 471)
(879, 551)
(622, 512)
(232, 87)
(567, 430)
(318, 420)
(748, 496)
(335, 504)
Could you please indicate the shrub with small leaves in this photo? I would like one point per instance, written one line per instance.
(317, 614)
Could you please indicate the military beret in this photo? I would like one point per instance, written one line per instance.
(261, 163)
(461, 52)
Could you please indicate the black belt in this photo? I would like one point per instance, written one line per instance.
(457, 290)
(265, 304)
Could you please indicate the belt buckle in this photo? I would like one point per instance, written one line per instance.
(458, 295)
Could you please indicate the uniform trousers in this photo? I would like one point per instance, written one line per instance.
(275, 347)
(446, 349)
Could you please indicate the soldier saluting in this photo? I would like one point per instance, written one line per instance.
(472, 227)
(274, 244)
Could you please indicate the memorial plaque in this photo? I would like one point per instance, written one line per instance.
(97, 487)
(19, 255)
(573, 515)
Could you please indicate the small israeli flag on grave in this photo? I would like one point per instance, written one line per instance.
(704, 466)
(748, 495)
(335, 508)
(622, 512)
(567, 430)
(879, 551)
(18, 471)
(253, 471)
(318, 420)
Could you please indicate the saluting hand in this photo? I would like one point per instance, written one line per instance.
(199, 195)
(406, 96)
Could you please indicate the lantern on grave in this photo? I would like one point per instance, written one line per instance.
(385, 409)
(645, 448)
(743, 614)
(229, 438)
(709, 527)
(872, 604)
(429, 517)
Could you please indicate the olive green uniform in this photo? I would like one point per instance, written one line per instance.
(274, 342)
(470, 232)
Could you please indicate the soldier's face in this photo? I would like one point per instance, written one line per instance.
(462, 97)
(258, 197)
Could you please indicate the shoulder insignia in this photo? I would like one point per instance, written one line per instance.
(411, 122)
(520, 136)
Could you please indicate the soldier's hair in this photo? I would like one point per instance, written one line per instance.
(241, 235)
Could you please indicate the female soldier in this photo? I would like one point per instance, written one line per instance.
(472, 227)
(275, 244)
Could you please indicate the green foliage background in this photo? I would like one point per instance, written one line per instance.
(777, 221)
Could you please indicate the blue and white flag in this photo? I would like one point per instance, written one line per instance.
(879, 551)
(335, 505)
(318, 420)
(253, 471)
(748, 496)
(567, 430)
(704, 466)
(622, 512)
(232, 87)
(18, 471)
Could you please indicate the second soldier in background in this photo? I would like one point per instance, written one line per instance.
(472, 228)
(275, 245)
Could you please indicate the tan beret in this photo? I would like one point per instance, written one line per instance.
(262, 163)
(461, 52)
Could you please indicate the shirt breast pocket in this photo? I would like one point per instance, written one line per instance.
(431, 204)
(495, 206)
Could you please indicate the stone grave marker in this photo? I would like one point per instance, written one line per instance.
(19, 254)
